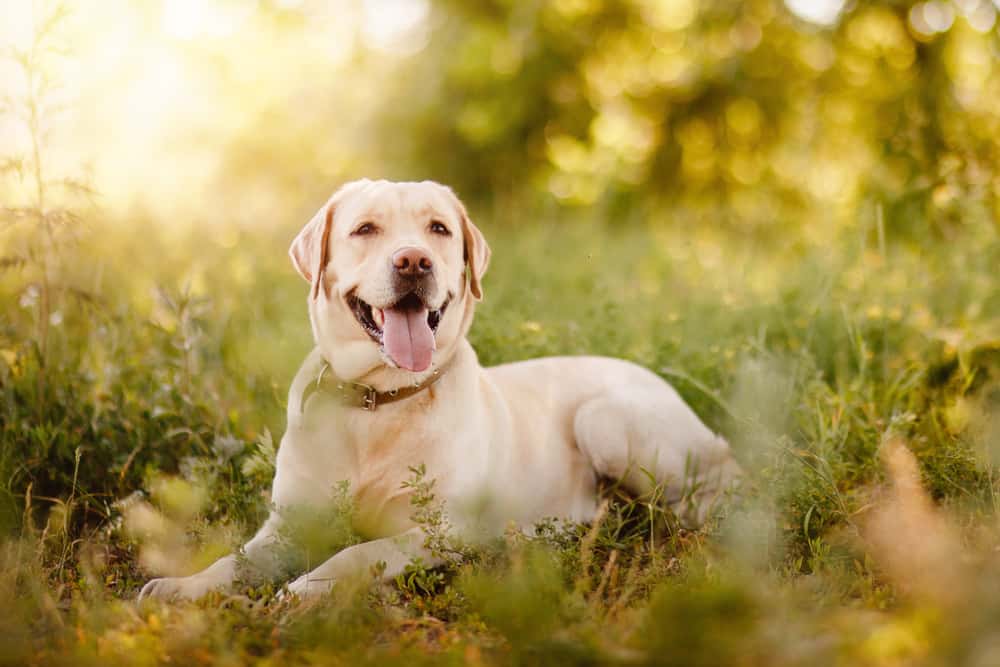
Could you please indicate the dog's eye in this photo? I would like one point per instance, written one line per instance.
(438, 227)
(365, 229)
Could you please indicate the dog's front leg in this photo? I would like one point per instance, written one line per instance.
(257, 554)
(394, 552)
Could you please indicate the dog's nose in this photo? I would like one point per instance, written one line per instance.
(411, 262)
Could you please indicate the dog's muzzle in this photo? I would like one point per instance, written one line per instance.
(404, 330)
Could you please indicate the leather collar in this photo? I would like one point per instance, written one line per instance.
(359, 395)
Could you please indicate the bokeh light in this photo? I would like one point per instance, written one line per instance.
(823, 12)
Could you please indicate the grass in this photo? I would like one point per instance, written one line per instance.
(150, 441)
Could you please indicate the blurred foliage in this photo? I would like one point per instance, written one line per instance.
(738, 110)
(716, 103)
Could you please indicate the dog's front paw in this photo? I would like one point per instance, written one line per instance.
(178, 588)
(308, 587)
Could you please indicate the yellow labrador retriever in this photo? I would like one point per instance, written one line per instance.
(395, 271)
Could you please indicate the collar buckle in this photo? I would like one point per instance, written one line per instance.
(369, 399)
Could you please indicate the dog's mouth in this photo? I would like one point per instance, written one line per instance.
(404, 330)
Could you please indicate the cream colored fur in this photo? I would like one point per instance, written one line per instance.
(514, 443)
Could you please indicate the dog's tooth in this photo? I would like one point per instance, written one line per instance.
(379, 316)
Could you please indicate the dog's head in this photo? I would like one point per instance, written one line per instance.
(394, 270)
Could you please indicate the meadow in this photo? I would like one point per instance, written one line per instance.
(787, 209)
(857, 382)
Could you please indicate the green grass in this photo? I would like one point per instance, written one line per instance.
(147, 431)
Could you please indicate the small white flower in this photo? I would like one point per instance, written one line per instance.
(226, 447)
(29, 297)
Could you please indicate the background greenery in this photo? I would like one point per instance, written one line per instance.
(793, 220)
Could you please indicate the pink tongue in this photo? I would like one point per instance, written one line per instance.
(408, 338)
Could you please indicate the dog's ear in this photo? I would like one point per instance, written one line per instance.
(310, 251)
(311, 244)
(477, 253)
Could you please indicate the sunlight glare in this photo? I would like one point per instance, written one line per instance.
(190, 19)
(822, 12)
(397, 26)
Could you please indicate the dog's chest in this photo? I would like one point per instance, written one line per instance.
(379, 455)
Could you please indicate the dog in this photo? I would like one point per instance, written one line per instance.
(395, 271)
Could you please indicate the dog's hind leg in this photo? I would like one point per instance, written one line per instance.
(646, 441)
